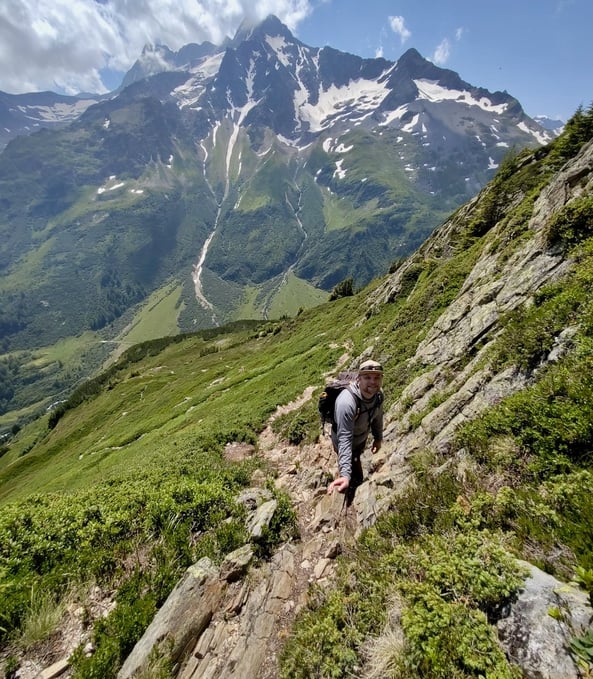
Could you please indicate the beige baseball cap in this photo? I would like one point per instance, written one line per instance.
(370, 367)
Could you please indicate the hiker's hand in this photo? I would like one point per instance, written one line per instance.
(376, 446)
(340, 484)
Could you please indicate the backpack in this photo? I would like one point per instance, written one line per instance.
(327, 401)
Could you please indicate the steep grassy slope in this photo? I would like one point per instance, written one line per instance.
(422, 589)
(125, 484)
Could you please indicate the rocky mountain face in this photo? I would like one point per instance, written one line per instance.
(250, 178)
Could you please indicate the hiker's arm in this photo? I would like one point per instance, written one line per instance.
(376, 447)
(345, 416)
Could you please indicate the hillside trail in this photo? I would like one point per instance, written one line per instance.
(248, 631)
(255, 616)
(326, 528)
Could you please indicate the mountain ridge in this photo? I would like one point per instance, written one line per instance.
(249, 179)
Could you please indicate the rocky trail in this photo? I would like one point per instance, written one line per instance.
(232, 621)
(255, 615)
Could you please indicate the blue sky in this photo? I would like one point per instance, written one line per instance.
(538, 51)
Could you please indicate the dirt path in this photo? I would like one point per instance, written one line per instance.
(324, 527)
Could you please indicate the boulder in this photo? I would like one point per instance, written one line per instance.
(542, 621)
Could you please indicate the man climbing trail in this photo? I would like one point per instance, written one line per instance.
(358, 412)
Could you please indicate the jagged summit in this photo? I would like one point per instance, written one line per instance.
(250, 29)
(309, 72)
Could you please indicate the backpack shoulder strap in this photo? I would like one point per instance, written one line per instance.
(356, 401)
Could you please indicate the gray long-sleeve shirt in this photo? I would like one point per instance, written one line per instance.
(351, 432)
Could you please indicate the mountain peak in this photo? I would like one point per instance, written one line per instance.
(414, 64)
(271, 25)
(411, 56)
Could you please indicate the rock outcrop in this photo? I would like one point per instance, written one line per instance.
(541, 624)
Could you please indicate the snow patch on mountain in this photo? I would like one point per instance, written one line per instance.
(331, 145)
(60, 112)
(189, 93)
(412, 125)
(398, 114)
(542, 137)
(209, 66)
(339, 172)
(433, 91)
(357, 97)
(278, 44)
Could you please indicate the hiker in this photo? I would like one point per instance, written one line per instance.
(358, 412)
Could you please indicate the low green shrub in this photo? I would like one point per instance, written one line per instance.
(88, 535)
(343, 289)
(424, 507)
(300, 426)
(572, 224)
(471, 567)
(582, 649)
(450, 586)
(449, 640)
(115, 636)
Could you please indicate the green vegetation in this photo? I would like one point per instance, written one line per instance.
(137, 493)
(157, 317)
(343, 289)
(293, 295)
(125, 483)
(419, 593)
(282, 296)
(446, 586)
(97, 225)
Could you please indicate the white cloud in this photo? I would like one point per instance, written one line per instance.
(398, 25)
(442, 52)
(65, 44)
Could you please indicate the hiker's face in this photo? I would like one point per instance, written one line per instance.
(370, 383)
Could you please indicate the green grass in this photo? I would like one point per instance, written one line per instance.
(339, 212)
(227, 386)
(295, 294)
(17, 277)
(51, 369)
(157, 317)
(138, 466)
(248, 307)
